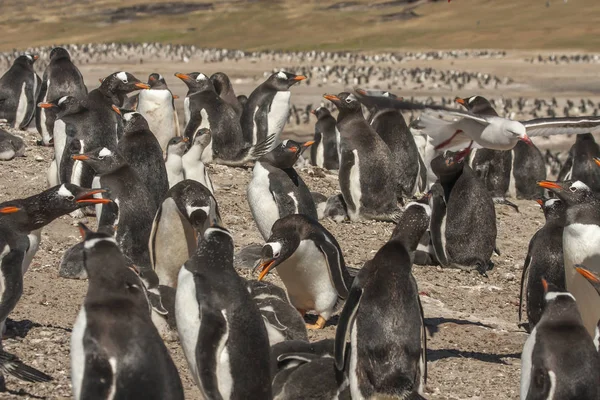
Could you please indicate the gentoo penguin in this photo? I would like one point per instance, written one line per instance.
(528, 167)
(61, 78)
(367, 174)
(383, 319)
(580, 165)
(220, 328)
(559, 359)
(463, 218)
(207, 110)
(11, 146)
(581, 244)
(193, 167)
(115, 350)
(310, 263)
(391, 127)
(268, 107)
(143, 153)
(544, 259)
(173, 236)
(19, 88)
(324, 152)
(157, 105)
(281, 319)
(276, 190)
(224, 89)
(176, 148)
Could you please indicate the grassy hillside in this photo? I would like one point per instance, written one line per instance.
(307, 24)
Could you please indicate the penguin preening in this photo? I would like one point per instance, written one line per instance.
(61, 78)
(276, 190)
(222, 334)
(367, 176)
(324, 152)
(559, 359)
(224, 89)
(116, 352)
(383, 319)
(310, 263)
(19, 88)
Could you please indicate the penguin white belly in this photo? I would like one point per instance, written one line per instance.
(581, 245)
(60, 140)
(187, 314)
(157, 107)
(275, 336)
(52, 174)
(526, 363)
(174, 167)
(355, 393)
(198, 173)
(512, 184)
(98, 207)
(77, 167)
(279, 113)
(263, 206)
(21, 107)
(320, 154)
(186, 110)
(45, 134)
(355, 190)
(338, 139)
(224, 378)
(7, 155)
(34, 244)
(78, 353)
(307, 280)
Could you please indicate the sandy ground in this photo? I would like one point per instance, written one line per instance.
(474, 341)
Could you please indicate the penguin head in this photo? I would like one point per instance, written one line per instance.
(26, 60)
(221, 82)
(64, 107)
(448, 163)
(554, 210)
(282, 81)
(591, 277)
(202, 215)
(120, 83)
(157, 81)
(412, 225)
(196, 82)
(59, 53)
(477, 105)
(320, 112)
(133, 121)
(282, 243)
(345, 102)
(202, 138)
(177, 145)
(558, 301)
(102, 160)
(571, 192)
(286, 154)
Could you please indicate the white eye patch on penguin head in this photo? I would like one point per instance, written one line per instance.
(66, 193)
(201, 77)
(122, 76)
(272, 250)
(350, 98)
(578, 185)
(104, 153)
(281, 75)
(128, 116)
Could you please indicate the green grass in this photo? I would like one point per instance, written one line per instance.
(303, 25)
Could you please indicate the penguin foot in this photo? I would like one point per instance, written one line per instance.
(320, 324)
(498, 200)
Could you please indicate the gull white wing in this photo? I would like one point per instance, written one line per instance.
(562, 126)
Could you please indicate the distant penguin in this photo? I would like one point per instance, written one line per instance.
(173, 237)
(581, 244)
(310, 263)
(19, 88)
(580, 165)
(193, 167)
(276, 190)
(118, 354)
(282, 320)
(143, 153)
(268, 107)
(176, 148)
(224, 89)
(61, 78)
(383, 319)
(221, 331)
(463, 218)
(11, 146)
(157, 105)
(324, 152)
(544, 259)
(367, 175)
(559, 359)
(391, 127)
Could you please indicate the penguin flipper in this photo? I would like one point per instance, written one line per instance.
(192, 127)
(176, 122)
(336, 268)
(213, 330)
(301, 358)
(523, 276)
(97, 382)
(423, 358)
(347, 317)
(10, 364)
(438, 212)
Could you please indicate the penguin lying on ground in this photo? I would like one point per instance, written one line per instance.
(383, 319)
(310, 263)
(19, 88)
(544, 260)
(11, 146)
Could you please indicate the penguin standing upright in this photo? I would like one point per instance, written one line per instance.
(528, 167)
(544, 259)
(276, 190)
(383, 319)
(581, 244)
(61, 78)
(193, 167)
(157, 105)
(19, 88)
(115, 350)
(224, 89)
(367, 174)
(463, 218)
(324, 152)
(580, 166)
(173, 160)
(268, 107)
(559, 359)
(310, 263)
(142, 151)
(222, 334)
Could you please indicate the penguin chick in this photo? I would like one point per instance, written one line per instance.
(176, 148)
(11, 146)
(193, 167)
(310, 263)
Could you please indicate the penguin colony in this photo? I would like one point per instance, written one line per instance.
(161, 262)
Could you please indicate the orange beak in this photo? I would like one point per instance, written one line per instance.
(185, 139)
(183, 77)
(460, 101)
(9, 210)
(549, 185)
(175, 96)
(545, 285)
(331, 97)
(540, 202)
(46, 105)
(87, 198)
(309, 143)
(116, 109)
(590, 276)
(597, 161)
(142, 85)
(299, 78)
(265, 268)
(134, 268)
(35, 57)
(80, 157)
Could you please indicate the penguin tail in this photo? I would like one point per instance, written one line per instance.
(445, 134)
(252, 153)
(10, 364)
